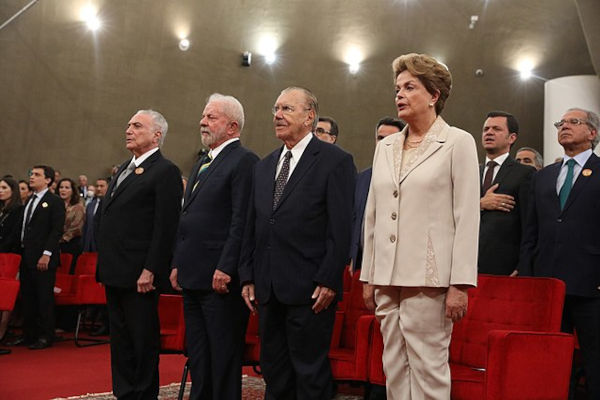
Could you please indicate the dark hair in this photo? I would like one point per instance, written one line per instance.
(48, 172)
(74, 192)
(15, 197)
(333, 123)
(390, 122)
(511, 122)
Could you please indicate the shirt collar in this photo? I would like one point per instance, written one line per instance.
(580, 158)
(213, 153)
(138, 161)
(299, 148)
(500, 159)
(41, 194)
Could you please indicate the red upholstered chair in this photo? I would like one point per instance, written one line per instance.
(65, 263)
(9, 289)
(349, 348)
(509, 344)
(9, 265)
(81, 290)
(172, 331)
(252, 344)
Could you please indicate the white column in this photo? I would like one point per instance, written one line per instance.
(560, 94)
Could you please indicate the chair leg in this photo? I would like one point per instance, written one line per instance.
(183, 379)
(93, 341)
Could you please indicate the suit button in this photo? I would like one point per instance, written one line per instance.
(185, 213)
(392, 238)
(395, 193)
(394, 216)
(272, 221)
(559, 220)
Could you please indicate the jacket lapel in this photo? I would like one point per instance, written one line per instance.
(208, 171)
(40, 205)
(309, 156)
(582, 180)
(132, 178)
(436, 137)
(504, 170)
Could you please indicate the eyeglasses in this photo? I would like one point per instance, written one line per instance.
(285, 109)
(571, 121)
(321, 131)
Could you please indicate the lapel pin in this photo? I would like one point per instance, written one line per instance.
(139, 170)
(586, 172)
(44, 204)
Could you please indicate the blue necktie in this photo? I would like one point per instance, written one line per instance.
(563, 195)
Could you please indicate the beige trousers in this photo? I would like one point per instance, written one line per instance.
(416, 337)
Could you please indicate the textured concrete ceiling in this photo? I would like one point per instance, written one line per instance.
(65, 88)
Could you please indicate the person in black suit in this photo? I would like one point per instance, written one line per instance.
(135, 244)
(207, 253)
(561, 238)
(91, 222)
(41, 229)
(296, 248)
(504, 197)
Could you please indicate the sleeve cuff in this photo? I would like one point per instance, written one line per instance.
(47, 253)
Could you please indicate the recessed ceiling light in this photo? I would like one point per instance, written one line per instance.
(525, 68)
(184, 44)
(88, 14)
(270, 58)
(353, 58)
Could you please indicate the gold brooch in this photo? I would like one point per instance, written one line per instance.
(44, 204)
(586, 172)
(139, 170)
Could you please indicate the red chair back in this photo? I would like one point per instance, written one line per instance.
(65, 263)
(86, 264)
(172, 323)
(501, 302)
(9, 265)
(9, 289)
(355, 308)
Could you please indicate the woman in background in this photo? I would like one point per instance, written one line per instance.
(74, 219)
(24, 191)
(421, 232)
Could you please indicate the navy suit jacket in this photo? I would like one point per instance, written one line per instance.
(213, 218)
(565, 244)
(363, 181)
(305, 241)
(138, 223)
(44, 231)
(500, 232)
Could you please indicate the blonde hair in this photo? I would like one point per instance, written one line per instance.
(433, 75)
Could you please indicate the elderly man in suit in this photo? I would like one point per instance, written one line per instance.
(207, 253)
(41, 230)
(504, 196)
(135, 245)
(295, 249)
(561, 238)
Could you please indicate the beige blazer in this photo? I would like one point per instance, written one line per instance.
(422, 224)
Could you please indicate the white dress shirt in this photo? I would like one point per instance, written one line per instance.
(500, 160)
(297, 151)
(580, 160)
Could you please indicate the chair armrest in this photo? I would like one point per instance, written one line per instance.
(527, 365)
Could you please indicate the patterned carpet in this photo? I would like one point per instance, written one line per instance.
(253, 389)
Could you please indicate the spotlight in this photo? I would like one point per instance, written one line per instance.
(88, 14)
(353, 58)
(270, 58)
(184, 44)
(354, 67)
(525, 69)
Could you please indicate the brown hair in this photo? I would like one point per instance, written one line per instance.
(432, 74)
(74, 192)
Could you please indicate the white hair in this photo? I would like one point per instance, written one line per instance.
(160, 123)
(232, 108)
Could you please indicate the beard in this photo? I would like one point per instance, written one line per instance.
(209, 138)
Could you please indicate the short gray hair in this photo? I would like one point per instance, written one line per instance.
(311, 101)
(160, 123)
(593, 122)
(539, 161)
(232, 108)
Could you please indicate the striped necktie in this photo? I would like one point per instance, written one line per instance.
(202, 168)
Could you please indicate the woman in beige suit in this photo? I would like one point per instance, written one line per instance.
(421, 231)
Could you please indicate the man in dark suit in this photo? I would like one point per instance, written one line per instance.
(41, 230)
(135, 244)
(504, 196)
(295, 250)
(207, 253)
(561, 238)
(91, 210)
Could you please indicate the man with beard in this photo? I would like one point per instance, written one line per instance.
(207, 253)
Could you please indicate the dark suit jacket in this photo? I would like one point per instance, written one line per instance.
(306, 239)
(361, 192)
(89, 237)
(213, 219)
(565, 244)
(10, 230)
(139, 222)
(500, 232)
(44, 231)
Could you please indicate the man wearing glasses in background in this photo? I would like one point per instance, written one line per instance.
(561, 238)
(327, 130)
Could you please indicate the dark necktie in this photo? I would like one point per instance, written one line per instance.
(202, 168)
(30, 209)
(282, 179)
(563, 195)
(489, 175)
